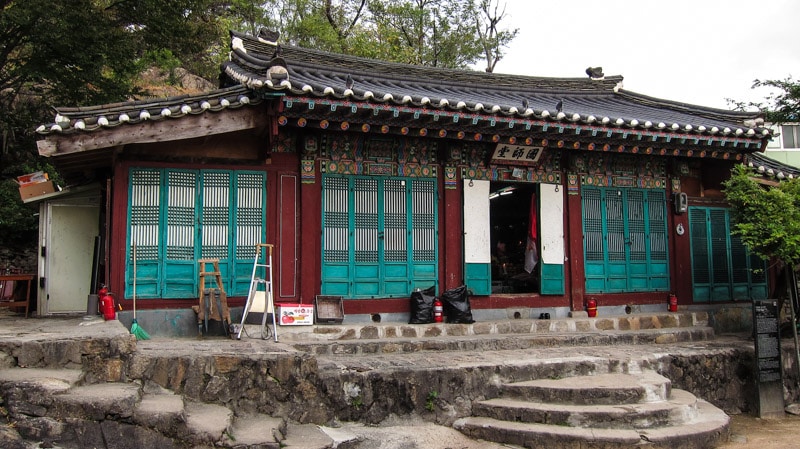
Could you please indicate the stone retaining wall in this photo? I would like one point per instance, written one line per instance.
(292, 385)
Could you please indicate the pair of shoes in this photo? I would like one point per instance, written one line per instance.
(544, 316)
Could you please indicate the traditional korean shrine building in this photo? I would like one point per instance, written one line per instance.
(373, 179)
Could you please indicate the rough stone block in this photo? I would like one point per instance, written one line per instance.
(226, 364)
(369, 333)
(647, 322)
(433, 331)
(390, 348)
(521, 327)
(666, 338)
(458, 330)
(370, 348)
(349, 334)
(482, 328)
(604, 324)
(670, 320)
(409, 332)
(344, 349)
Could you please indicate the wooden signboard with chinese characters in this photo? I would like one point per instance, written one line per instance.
(507, 154)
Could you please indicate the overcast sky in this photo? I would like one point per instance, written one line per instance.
(693, 51)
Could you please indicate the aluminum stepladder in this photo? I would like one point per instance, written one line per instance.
(259, 297)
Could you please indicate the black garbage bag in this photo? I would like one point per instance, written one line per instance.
(422, 306)
(456, 306)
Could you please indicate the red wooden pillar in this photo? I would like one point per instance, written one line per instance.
(452, 235)
(310, 216)
(680, 254)
(575, 273)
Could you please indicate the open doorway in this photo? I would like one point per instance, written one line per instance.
(514, 237)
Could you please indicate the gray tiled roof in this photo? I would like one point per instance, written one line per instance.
(91, 118)
(317, 74)
(770, 168)
(258, 68)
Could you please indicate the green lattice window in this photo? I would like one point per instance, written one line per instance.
(722, 268)
(379, 236)
(625, 240)
(177, 217)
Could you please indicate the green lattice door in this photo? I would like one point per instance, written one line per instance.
(179, 216)
(379, 236)
(625, 240)
(722, 268)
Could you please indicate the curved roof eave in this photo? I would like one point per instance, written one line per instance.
(587, 101)
(259, 69)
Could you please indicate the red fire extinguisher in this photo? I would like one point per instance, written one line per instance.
(438, 311)
(591, 307)
(106, 303)
(673, 303)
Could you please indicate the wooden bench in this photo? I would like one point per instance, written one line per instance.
(8, 287)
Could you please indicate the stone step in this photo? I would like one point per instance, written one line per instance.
(306, 436)
(30, 391)
(162, 412)
(206, 423)
(256, 431)
(681, 408)
(531, 435)
(709, 429)
(492, 342)
(598, 389)
(390, 331)
(97, 402)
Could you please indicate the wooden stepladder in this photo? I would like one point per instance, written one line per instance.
(213, 301)
(259, 297)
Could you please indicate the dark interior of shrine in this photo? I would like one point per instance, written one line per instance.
(510, 221)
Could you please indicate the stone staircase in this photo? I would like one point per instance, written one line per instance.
(56, 407)
(659, 328)
(91, 384)
(600, 411)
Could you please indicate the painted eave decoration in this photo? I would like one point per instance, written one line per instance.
(323, 89)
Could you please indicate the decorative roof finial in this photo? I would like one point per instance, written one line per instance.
(268, 36)
(595, 73)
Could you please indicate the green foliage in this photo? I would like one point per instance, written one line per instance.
(427, 32)
(766, 219)
(440, 33)
(84, 52)
(430, 404)
(780, 106)
(89, 52)
(162, 58)
(785, 105)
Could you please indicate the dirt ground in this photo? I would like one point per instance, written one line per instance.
(747, 432)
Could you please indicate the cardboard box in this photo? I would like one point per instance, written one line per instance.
(32, 178)
(295, 314)
(38, 189)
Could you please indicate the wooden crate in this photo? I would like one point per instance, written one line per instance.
(328, 309)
